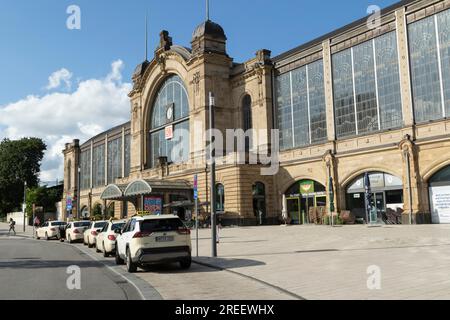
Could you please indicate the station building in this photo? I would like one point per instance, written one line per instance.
(361, 99)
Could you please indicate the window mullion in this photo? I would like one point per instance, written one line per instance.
(354, 91)
(309, 106)
(376, 83)
(292, 109)
(438, 46)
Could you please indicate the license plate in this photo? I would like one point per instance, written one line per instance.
(165, 239)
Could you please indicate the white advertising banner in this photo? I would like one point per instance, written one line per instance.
(440, 204)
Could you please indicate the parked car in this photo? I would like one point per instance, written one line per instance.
(49, 230)
(75, 230)
(154, 240)
(90, 235)
(106, 239)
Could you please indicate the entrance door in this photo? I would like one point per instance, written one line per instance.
(306, 205)
(379, 203)
(293, 208)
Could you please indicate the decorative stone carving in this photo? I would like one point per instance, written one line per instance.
(196, 83)
(165, 41)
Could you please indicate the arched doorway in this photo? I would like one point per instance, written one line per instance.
(110, 211)
(85, 212)
(259, 201)
(439, 189)
(303, 197)
(387, 197)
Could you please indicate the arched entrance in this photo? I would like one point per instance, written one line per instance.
(387, 197)
(85, 212)
(303, 197)
(439, 189)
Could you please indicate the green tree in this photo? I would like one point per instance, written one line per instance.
(42, 197)
(20, 162)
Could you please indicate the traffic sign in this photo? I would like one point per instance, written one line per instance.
(195, 187)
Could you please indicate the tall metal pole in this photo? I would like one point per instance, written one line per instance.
(24, 204)
(213, 174)
(79, 193)
(207, 10)
(408, 173)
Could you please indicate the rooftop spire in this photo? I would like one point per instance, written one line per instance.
(207, 10)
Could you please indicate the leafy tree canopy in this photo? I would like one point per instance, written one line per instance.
(20, 162)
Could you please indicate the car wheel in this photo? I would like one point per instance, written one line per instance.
(89, 244)
(37, 237)
(96, 248)
(119, 260)
(131, 266)
(105, 254)
(46, 237)
(186, 264)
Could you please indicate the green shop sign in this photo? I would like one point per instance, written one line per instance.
(307, 187)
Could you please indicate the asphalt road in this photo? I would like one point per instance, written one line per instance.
(38, 270)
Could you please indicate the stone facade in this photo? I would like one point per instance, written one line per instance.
(424, 148)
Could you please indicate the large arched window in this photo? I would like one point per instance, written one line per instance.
(169, 134)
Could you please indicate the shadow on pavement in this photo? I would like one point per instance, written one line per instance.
(205, 266)
(33, 263)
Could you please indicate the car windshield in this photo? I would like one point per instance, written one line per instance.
(58, 223)
(161, 225)
(99, 225)
(81, 224)
(117, 226)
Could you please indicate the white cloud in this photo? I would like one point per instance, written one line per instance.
(59, 77)
(95, 106)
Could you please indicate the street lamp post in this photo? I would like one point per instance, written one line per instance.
(24, 204)
(213, 174)
(78, 193)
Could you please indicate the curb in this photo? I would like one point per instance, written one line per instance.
(293, 295)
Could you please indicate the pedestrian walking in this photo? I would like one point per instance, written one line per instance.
(37, 222)
(12, 226)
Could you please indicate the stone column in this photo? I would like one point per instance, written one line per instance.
(411, 183)
(328, 82)
(405, 78)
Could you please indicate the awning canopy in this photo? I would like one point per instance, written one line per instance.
(112, 192)
(143, 187)
(138, 188)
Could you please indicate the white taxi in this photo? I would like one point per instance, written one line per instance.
(106, 239)
(154, 240)
(50, 230)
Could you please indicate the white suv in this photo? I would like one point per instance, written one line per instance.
(154, 240)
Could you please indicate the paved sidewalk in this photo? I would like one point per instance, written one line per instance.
(4, 227)
(318, 262)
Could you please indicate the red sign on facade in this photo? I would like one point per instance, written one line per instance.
(169, 132)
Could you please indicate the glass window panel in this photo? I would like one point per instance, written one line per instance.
(343, 94)
(114, 160)
(300, 107)
(284, 110)
(98, 166)
(425, 70)
(85, 166)
(388, 79)
(127, 155)
(365, 88)
(317, 102)
(172, 91)
(443, 19)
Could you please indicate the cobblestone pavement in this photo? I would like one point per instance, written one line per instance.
(316, 262)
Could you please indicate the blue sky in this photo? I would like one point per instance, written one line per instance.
(35, 41)
(91, 68)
